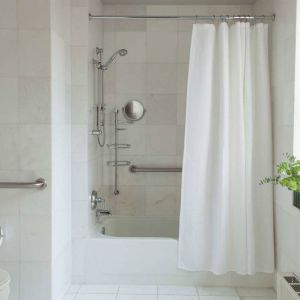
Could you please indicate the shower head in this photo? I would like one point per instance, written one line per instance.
(121, 52)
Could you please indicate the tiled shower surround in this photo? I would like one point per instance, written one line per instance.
(153, 72)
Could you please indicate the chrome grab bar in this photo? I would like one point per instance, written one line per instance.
(2, 235)
(135, 169)
(40, 183)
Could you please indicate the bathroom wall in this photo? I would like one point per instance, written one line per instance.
(79, 120)
(84, 39)
(34, 131)
(284, 88)
(154, 72)
(25, 150)
(61, 146)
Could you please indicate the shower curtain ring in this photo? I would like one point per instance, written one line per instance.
(224, 19)
(254, 21)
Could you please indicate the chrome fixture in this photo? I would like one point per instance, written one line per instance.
(95, 200)
(133, 110)
(102, 212)
(2, 235)
(121, 52)
(195, 17)
(135, 169)
(40, 183)
(99, 132)
(104, 66)
(117, 163)
(96, 132)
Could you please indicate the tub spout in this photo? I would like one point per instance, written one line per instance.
(103, 212)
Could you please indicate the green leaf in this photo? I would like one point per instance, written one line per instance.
(287, 173)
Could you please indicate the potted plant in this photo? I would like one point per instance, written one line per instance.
(288, 176)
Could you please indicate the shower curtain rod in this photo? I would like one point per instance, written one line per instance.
(196, 18)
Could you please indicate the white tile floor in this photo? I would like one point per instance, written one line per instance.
(165, 292)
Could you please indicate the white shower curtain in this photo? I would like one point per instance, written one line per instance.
(226, 218)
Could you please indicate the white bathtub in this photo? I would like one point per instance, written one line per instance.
(142, 250)
(124, 226)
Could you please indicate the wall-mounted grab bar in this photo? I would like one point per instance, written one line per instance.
(2, 235)
(40, 183)
(135, 169)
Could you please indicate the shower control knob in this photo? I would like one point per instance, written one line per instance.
(95, 200)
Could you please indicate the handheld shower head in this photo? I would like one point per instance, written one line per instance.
(121, 52)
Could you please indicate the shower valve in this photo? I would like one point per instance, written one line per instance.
(95, 200)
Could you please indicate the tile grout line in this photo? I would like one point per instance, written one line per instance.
(117, 293)
(237, 292)
(77, 292)
(198, 295)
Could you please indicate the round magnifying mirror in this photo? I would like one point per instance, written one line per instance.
(133, 110)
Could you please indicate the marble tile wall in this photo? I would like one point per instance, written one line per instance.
(34, 133)
(25, 148)
(154, 72)
(61, 242)
(86, 36)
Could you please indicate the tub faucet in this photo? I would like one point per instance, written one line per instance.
(102, 212)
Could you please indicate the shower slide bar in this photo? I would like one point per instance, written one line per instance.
(195, 17)
(40, 184)
(135, 169)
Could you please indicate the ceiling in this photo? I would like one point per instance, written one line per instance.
(179, 2)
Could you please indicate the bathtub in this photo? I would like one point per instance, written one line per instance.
(124, 226)
(143, 250)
